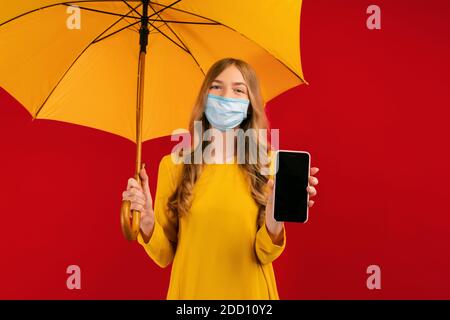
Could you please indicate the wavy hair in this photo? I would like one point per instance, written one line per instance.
(180, 201)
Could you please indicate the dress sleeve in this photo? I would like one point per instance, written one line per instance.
(266, 250)
(163, 241)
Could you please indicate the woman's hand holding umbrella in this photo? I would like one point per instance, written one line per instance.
(141, 200)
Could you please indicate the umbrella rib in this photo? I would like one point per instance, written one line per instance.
(178, 45)
(185, 11)
(135, 11)
(136, 29)
(179, 39)
(165, 7)
(134, 23)
(159, 16)
(57, 4)
(129, 6)
(117, 31)
(76, 59)
(101, 11)
(131, 26)
(184, 22)
(226, 26)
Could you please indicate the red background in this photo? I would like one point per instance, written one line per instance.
(373, 119)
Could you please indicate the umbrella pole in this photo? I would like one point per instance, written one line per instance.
(130, 229)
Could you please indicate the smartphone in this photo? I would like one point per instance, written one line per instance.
(290, 202)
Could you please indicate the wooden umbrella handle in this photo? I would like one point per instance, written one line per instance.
(130, 220)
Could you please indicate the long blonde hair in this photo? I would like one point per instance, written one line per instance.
(180, 201)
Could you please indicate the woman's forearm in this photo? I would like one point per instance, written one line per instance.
(147, 226)
(275, 230)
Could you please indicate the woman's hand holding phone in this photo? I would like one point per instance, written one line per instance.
(292, 164)
(313, 181)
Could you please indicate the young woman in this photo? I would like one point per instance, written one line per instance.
(212, 221)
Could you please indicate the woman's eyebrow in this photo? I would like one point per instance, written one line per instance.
(234, 83)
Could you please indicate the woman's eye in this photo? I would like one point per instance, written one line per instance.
(214, 87)
(239, 90)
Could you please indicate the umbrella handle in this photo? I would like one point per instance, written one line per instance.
(130, 229)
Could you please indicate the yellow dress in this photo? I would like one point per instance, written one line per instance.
(217, 250)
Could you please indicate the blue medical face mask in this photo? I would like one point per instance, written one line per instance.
(225, 113)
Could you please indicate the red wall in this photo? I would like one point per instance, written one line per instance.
(373, 118)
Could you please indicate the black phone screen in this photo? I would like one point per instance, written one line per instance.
(291, 180)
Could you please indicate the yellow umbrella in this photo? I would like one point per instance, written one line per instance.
(84, 61)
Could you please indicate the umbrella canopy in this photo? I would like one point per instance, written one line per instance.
(83, 61)
(77, 61)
